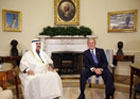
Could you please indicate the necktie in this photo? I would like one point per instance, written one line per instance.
(94, 58)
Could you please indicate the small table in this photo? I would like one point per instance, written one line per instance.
(135, 70)
(124, 58)
(11, 59)
(7, 74)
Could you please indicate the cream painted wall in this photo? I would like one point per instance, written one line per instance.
(37, 14)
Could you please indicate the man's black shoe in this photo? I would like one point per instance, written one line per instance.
(81, 97)
(112, 97)
(107, 97)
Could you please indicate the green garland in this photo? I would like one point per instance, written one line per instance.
(54, 31)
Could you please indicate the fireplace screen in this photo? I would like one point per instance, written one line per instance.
(68, 62)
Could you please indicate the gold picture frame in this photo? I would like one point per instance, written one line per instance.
(122, 21)
(11, 20)
(66, 12)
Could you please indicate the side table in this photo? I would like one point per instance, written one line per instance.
(124, 58)
(8, 74)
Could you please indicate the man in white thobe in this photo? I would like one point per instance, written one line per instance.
(38, 79)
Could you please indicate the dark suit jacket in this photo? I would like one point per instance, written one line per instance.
(101, 57)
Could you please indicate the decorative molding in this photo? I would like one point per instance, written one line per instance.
(4, 53)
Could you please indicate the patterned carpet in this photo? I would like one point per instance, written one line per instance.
(125, 79)
(71, 88)
(91, 93)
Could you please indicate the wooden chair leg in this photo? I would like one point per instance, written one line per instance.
(135, 95)
(17, 91)
(89, 82)
(89, 85)
(136, 90)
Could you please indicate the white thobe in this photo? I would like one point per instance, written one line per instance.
(44, 84)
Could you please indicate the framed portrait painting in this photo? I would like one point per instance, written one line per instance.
(11, 20)
(122, 21)
(66, 12)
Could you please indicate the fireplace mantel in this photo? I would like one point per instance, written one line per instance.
(65, 43)
(66, 37)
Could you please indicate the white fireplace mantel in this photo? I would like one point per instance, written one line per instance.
(65, 43)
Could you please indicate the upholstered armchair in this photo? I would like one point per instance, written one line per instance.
(6, 94)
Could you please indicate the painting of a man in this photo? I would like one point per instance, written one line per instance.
(66, 10)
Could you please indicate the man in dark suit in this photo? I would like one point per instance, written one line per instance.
(96, 64)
